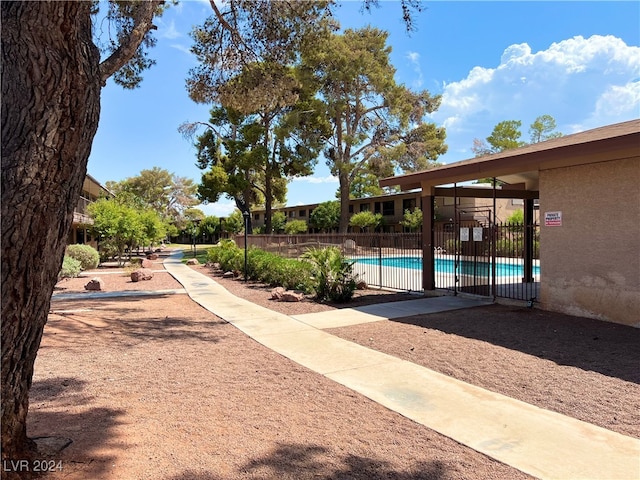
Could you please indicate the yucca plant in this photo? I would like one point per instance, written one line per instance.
(332, 274)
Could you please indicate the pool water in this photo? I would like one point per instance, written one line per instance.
(447, 265)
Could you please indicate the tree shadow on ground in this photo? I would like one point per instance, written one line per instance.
(121, 320)
(301, 461)
(603, 347)
(48, 418)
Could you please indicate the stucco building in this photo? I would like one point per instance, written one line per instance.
(588, 186)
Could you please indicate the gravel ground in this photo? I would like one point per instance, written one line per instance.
(159, 388)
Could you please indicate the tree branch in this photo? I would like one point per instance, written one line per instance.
(129, 45)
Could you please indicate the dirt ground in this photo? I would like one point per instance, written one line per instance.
(159, 388)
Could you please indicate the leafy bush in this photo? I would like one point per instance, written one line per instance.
(365, 220)
(228, 255)
(326, 216)
(88, 256)
(264, 267)
(295, 227)
(412, 220)
(71, 268)
(333, 277)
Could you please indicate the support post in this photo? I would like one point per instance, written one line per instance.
(529, 232)
(428, 258)
(245, 215)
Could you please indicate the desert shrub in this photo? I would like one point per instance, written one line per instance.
(264, 267)
(293, 274)
(71, 268)
(88, 256)
(259, 263)
(332, 274)
(228, 255)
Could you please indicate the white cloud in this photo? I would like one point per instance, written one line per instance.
(219, 209)
(182, 48)
(327, 179)
(414, 59)
(581, 82)
(167, 30)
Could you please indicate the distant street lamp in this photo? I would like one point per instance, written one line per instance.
(245, 215)
(194, 232)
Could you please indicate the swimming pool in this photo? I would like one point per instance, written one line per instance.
(447, 265)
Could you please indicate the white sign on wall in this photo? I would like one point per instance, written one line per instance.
(464, 234)
(477, 234)
(552, 219)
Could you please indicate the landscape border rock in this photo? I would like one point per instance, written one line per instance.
(95, 284)
(141, 274)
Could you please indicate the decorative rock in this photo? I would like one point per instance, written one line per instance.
(277, 293)
(228, 275)
(193, 261)
(361, 285)
(141, 274)
(95, 284)
(290, 296)
(147, 263)
(281, 295)
(152, 256)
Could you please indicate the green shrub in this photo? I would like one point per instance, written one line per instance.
(88, 256)
(71, 268)
(228, 255)
(263, 267)
(295, 227)
(332, 274)
(293, 274)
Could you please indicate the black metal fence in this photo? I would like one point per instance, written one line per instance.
(384, 260)
(499, 260)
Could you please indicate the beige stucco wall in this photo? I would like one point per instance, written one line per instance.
(590, 266)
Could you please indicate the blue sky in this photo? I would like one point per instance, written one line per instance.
(490, 61)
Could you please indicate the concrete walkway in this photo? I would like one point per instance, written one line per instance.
(541, 443)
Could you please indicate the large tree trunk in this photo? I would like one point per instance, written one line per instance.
(50, 111)
(345, 185)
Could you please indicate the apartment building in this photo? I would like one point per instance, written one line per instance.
(393, 206)
(92, 190)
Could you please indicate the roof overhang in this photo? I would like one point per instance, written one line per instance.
(522, 165)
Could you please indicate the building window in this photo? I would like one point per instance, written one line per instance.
(377, 206)
(388, 208)
(256, 216)
(351, 208)
(302, 213)
(365, 207)
(409, 204)
(292, 214)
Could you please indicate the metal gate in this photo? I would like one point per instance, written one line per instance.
(488, 259)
